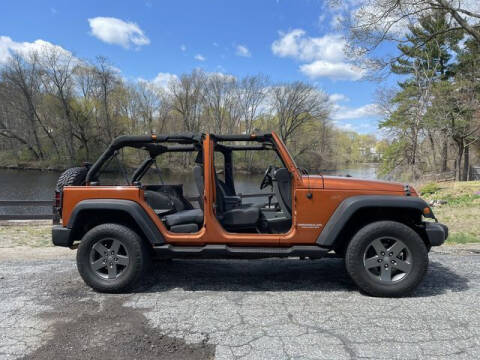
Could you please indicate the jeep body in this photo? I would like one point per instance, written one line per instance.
(306, 216)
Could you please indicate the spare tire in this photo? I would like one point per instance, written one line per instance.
(72, 177)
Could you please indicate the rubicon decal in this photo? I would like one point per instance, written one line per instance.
(310, 226)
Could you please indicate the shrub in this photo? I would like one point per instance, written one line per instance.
(429, 189)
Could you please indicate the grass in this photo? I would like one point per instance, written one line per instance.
(25, 235)
(461, 212)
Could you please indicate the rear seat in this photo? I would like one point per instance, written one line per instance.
(186, 221)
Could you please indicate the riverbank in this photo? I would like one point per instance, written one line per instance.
(456, 204)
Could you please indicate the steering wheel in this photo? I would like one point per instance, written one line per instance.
(267, 178)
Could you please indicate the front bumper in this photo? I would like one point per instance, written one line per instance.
(437, 233)
(61, 236)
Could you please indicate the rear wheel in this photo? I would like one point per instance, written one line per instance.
(112, 258)
(386, 258)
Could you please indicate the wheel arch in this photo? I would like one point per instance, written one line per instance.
(90, 213)
(356, 212)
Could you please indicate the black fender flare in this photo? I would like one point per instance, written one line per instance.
(133, 209)
(351, 205)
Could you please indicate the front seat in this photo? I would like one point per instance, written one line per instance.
(282, 186)
(239, 217)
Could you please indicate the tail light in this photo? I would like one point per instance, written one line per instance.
(58, 199)
(57, 207)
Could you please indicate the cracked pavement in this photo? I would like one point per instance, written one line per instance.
(238, 309)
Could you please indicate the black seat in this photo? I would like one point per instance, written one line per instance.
(193, 216)
(236, 217)
(282, 186)
(198, 176)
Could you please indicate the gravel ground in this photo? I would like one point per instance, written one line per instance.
(263, 309)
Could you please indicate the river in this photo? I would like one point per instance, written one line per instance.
(40, 185)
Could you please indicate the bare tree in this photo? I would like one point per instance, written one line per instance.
(297, 104)
(106, 81)
(251, 97)
(187, 95)
(22, 77)
(221, 102)
(57, 70)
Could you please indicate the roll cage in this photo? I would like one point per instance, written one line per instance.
(150, 143)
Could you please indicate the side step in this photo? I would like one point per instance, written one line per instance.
(239, 252)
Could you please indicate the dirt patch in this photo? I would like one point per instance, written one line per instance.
(108, 330)
(21, 253)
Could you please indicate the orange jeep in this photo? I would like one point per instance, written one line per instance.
(380, 228)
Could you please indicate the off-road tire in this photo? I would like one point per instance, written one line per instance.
(354, 259)
(72, 177)
(138, 253)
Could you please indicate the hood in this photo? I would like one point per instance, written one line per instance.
(346, 183)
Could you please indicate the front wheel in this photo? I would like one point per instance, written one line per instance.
(112, 258)
(387, 259)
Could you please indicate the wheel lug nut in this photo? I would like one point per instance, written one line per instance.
(390, 254)
(393, 261)
(383, 253)
(379, 260)
(386, 266)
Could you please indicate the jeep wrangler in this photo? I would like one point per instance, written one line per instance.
(383, 230)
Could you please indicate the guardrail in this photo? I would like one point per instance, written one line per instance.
(49, 204)
(35, 203)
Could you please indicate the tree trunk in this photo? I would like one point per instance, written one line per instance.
(466, 163)
(432, 144)
(445, 153)
(458, 162)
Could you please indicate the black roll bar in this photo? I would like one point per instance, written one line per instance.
(140, 141)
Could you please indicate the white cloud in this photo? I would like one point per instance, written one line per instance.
(183, 47)
(8, 46)
(324, 56)
(337, 97)
(116, 31)
(335, 71)
(365, 111)
(297, 45)
(163, 79)
(242, 50)
(200, 57)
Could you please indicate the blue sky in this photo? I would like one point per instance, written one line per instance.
(286, 40)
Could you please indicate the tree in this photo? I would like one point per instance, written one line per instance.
(187, 95)
(297, 104)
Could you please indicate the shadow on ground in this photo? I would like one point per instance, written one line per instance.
(279, 275)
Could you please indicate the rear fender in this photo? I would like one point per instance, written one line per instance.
(142, 221)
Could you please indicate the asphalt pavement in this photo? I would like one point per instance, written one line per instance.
(223, 309)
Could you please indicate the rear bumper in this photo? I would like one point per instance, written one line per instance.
(61, 236)
(437, 233)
